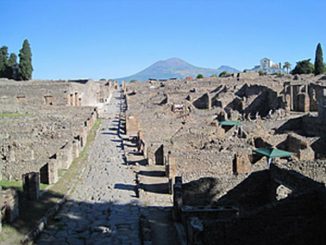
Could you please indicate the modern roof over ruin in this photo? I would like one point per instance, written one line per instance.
(272, 152)
(229, 123)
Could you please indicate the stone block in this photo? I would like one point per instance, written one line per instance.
(204, 102)
(132, 126)
(220, 132)
(65, 155)
(53, 171)
(303, 102)
(300, 146)
(155, 154)
(140, 142)
(31, 185)
(307, 154)
(10, 204)
(75, 148)
(241, 163)
(49, 172)
(171, 167)
(177, 198)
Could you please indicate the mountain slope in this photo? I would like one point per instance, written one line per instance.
(174, 67)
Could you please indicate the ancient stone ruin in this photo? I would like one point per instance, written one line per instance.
(233, 160)
(44, 127)
(207, 135)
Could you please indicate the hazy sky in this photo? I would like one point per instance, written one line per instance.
(114, 38)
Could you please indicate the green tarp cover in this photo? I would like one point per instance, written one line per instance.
(229, 123)
(272, 152)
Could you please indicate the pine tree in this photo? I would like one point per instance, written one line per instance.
(12, 67)
(319, 63)
(25, 62)
(3, 60)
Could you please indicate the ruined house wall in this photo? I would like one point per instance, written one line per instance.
(204, 163)
(299, 146)
(241, 164)
(248, 75)
(200, 192)
(43, 140)
(9, 204)
(302, 96)
(34, 93)
(204, 102)
(52, 93)
(258, 184)
(315, 170)
(155, 154)
(252, 99)
(132, 125)
(321, 100)
(306, 125)
(296, 218)
(296, 221)
(90, 93)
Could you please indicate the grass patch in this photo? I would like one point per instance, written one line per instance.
(18, 185)
(12, 115)
(8, 234)
(61, 172)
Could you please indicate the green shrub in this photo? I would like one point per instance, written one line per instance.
(262, 73)
(200, 76)
(224, 74)
(303, 67)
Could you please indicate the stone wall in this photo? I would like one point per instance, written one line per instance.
(264, 216)
(315, 170)
(191, 167)
(296, 221)
(321, 98)
(44, 143)
(52, 93)
(18, 94)
(301, 96)
(155, 154)
(132, 125)
(241, 163)
(204, 102)
(298, 145)
(9, 204)
(248, 75)
(31, 185)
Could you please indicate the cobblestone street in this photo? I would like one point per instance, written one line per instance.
(104, 208)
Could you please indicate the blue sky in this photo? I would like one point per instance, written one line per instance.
(115, 38)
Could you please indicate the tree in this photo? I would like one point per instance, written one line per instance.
(199, 76)
(25, 62)
(12, 67)
(287, 66)
(319, 62)
(3, 60)
(303, 67)
(224, 74)
(262, 73)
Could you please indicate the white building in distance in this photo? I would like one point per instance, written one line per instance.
(266, 63)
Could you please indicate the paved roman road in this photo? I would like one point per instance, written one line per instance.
(103, 209)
